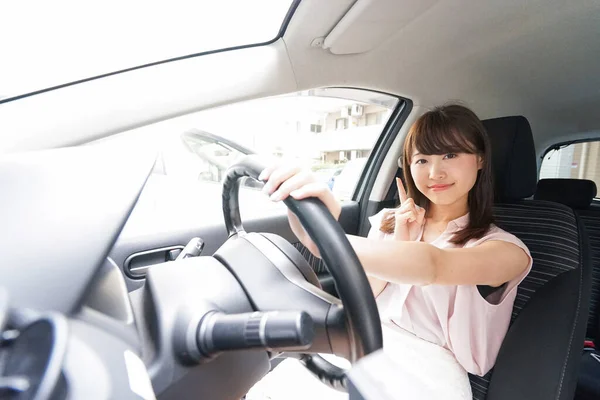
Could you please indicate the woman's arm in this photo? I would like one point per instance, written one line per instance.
(491, 263)
(377, 284)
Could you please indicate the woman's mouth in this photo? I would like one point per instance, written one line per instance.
(440, 187)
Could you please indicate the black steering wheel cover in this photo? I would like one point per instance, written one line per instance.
(249, 166)
(347, 271)
(339, 256)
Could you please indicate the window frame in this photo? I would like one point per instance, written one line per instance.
(345, 123)
(561, 145)
(566, 143)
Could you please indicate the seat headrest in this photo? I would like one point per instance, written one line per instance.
(513, 157)
(575, 193)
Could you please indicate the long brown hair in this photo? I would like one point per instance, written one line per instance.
(447, 129)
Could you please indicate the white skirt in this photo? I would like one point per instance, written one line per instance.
(415, 369)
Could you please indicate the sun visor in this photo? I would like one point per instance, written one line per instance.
(369, 23)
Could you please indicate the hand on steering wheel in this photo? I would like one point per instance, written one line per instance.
(283, 180)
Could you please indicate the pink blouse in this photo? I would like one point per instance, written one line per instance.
(457, 318)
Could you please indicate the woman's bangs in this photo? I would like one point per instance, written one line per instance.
(439, 139)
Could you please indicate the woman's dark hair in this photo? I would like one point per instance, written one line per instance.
(452, 129)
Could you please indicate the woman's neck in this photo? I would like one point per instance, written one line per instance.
(445, 213)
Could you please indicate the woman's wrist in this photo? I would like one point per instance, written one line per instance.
(312, 247)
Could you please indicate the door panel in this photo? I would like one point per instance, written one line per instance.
(158, 245)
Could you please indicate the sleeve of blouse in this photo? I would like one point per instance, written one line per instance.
(375, 220)
(497, 233)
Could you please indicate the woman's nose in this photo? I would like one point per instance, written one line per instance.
(436, 171)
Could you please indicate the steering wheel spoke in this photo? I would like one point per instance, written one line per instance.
(275, 284)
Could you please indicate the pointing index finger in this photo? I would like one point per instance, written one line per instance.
(401, 192)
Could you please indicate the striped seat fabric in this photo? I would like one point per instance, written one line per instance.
(316, 263)
(550, 232)
(318, 266)
(591, 221)
(579, 195)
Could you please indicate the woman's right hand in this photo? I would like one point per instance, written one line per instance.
(409, 217)
(287, 179)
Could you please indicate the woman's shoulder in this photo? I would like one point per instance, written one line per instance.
(496, 230)
(496, 233)
(375, 221)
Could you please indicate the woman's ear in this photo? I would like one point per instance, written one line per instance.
(479, 162)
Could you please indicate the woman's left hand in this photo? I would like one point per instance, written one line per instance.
(408, 217)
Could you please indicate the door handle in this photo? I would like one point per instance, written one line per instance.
(137, 264)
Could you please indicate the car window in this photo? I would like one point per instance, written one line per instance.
(573, 161)
(195, 151)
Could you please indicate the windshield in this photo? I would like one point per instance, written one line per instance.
(52, 43)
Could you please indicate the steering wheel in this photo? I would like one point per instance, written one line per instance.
(350, 328)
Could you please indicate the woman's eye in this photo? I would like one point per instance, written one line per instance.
(421, 161)
(450, 156)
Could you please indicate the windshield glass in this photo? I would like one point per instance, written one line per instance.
(52, 43)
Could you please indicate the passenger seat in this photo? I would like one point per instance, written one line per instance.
(579, 195)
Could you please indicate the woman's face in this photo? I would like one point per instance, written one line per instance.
(445, 179)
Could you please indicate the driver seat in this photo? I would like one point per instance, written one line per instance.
(540, 355)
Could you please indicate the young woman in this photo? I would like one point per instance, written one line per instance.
(444, 276)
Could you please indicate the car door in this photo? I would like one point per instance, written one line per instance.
(182, 198)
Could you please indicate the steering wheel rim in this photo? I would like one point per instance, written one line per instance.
(364, 325)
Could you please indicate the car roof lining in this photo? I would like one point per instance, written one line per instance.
(537, 59)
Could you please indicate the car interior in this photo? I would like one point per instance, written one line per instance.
(122, 280)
